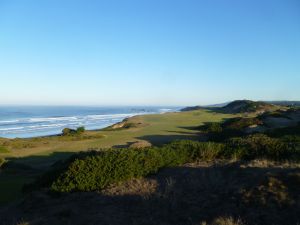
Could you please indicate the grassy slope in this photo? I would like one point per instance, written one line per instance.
(40, 153)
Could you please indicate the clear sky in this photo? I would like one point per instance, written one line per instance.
(148, 52)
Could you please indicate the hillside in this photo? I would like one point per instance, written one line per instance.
(280, 122)
(247, 106)
(216, 173)
(192, 108)
(238, 106)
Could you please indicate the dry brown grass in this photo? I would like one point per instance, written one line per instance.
(141, 144)
(221, 193)
(143, 187)
(22, 222)
(264, 163)
(224, 221)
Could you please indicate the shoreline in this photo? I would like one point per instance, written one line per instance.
(89, 130)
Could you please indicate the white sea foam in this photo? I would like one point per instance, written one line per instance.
(23, 127)
(9, 121)
(51, 119)
(165, 110)
(47, 125)
(111, 116)
(11, 128)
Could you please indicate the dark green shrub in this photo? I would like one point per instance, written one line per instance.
(230, 128)
(293, 140)
(212, 127)
(198, 150)
(262, 146)
(72, 132)
(68, 131)
(233, 127)
(276, 114)
(241, 123)
(80, 130)
(129, 125)
(98, 171)
(94, 170)
(279, 132)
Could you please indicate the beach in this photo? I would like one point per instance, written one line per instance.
(34, 121)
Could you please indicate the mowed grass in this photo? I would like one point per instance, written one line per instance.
(40, 153)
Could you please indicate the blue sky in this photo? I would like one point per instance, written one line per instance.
(142, 52)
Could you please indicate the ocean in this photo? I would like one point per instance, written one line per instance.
(34, 121)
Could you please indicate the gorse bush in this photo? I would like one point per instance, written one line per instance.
(96, 170)
(70, 132)
(240, 123)
(279, 132)
(262, 146)
(80, 130)
(234, 127)
(214, 127)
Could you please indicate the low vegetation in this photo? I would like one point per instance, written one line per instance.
(18, 146)
(285, 131)
(2, 161)
(239, 106)
(227, 176)
(241, 123)
(125, 124)
(3, 149)
(274, 124)
(96, 170)
(70, 132)
(247, 106)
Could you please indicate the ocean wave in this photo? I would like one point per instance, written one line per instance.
(165, 110)
(50, 119)
(9, 121)
(11, 128)
(67, 118)
(111, 116)
(22, 126)
(47, 125)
